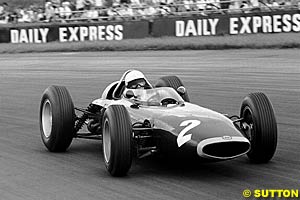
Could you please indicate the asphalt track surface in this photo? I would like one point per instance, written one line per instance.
(215, 79)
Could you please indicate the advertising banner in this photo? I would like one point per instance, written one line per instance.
(44, 33)
(197, 25)
(233, 24)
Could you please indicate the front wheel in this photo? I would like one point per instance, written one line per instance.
(117, 140)
(260, 127)
(57, 118)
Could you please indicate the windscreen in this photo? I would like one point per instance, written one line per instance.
(155, 96)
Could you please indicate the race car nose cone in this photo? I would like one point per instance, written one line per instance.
(223, 148)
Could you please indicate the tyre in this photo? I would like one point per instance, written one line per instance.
(258, 114)
(117, 140)
(57, 118)
(174, 82)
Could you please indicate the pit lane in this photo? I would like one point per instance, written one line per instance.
(214, 79)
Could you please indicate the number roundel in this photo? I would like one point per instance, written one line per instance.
(189, 124)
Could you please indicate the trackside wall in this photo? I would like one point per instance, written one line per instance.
(212, 25)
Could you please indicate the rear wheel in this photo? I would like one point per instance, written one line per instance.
(260, 127)
(57, 118)
(174, 82)
(117, 140)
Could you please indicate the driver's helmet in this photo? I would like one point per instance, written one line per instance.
(135, 80)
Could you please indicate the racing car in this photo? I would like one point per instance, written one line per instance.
(135, 119)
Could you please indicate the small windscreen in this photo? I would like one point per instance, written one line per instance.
(156, 95)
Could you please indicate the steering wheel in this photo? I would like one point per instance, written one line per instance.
(167, 101)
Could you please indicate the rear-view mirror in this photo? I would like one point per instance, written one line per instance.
(181, 90)
(129, 94)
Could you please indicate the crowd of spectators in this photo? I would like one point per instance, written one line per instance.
(97, 10)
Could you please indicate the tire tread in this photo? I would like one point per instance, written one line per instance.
(174, 82)
(265, 140)
(121, 149)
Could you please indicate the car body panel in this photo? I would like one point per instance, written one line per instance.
(184, 126)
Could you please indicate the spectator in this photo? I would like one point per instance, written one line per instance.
(49, 12)
(179, 6)
(108, 3)
(288, 3)
(116, 3)
(91, 13)
(164, 10)
(245, 6)
(150, 10)
(88, 4)
(56, 3)
(15, 15)
(201, 4)
(2, 8)
(5, 8)
(274, 4)
(60, 11)
(173, 7)
(99, 3)
(19, 12)
(188, 4)
(224, 4)
(254, 3)
(155, 2)
(4, 13)
(126, 11)
(30, 14)
(25, 16)
(40, 15)
(80, 4)
(140, 12)
(135, 3)
(296, 2)
(234, 6)
(67, 10)
(56, 16)
(112, 13)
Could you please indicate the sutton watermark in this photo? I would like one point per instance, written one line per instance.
(271, 193)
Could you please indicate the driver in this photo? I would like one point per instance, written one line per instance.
(136, 80)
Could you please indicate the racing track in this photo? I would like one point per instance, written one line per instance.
(215, 79)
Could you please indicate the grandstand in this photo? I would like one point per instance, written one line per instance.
(45, 11)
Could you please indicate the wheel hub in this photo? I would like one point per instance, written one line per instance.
(106, 141)
(47, 118)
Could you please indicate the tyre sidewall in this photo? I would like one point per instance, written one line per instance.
(51, 140)
(120, 158)
(62, 128)
(108, 116)
(264, 137)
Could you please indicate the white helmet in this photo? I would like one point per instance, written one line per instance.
(133, 75)
(136, 78)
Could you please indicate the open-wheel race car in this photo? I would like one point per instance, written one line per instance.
(135, 119)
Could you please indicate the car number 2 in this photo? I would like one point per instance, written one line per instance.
(190, 124)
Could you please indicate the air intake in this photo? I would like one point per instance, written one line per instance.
(223, 147)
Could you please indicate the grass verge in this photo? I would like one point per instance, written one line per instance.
(257, 41)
